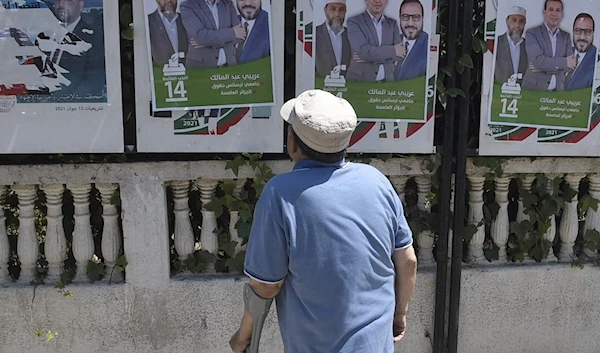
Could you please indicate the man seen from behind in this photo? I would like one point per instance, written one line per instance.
(329, 241)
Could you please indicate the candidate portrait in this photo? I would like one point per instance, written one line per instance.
(549, 51)
(414, 39)
(332, 46)
(167, 33)
(375, 43)
(85, 69)
(511, 52)
(585, 53)
(255, 22)
(214, 29)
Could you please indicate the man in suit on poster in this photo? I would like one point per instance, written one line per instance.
(415, 41)
(376, 44)
(549, 51)
(213, 28)
(585, 53)
(255, 21)
(167, 33)
(333, 47)
(511, 53)
(86, 71)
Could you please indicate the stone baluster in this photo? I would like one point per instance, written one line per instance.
(500, 226)
(184, 236)
(83, 241)
(27, 241)
(55, 245)
(399, 183)
(527, 181)
(111, 232)
(550, 234)
(569, 223)
(234, 217)
(4, 245)
(592, 218)
(476, 218)
(208, 238)
(426, 237)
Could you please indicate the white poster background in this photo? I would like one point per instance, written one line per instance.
(532, 145)
(385, 137)
(155, 134)
(66, 127)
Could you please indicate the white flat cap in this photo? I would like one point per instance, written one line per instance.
(517, 10)
(322, 121)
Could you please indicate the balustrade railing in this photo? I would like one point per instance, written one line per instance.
(51, 230)
(36, 247)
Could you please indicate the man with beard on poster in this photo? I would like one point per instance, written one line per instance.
(86, 71)
(333, 47)
(167, 33)
(511, 53)
(584, 52)
(255, 20)
(415, 41)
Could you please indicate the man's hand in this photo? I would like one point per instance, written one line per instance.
(358, 59)
(195, 44)
(571, 62)
(533, 69)
(238, 343)
(399, 326)
(240, 32)
(400, 50)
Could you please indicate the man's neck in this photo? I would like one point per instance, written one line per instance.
(377, 17)
(551, 28)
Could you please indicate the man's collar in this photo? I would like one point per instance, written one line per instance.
(550, 31)
(72, 26)
(310, 163)
(373, 17)
(162, 15)
(210, 3)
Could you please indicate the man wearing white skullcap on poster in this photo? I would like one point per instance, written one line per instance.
(329, 241)
(332, 46)
(511, 53)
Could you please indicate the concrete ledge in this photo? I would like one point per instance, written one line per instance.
(530, 308)
(190, 315)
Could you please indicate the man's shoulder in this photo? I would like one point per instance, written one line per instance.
(536, 30)
(390, 21)
(357, 18)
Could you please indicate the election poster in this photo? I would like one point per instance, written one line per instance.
(541, 83)
(382, 58)
(210, 55)
(60, 75)
(211, 122)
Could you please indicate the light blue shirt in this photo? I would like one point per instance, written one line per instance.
(515, 53)
(330, 230)
(379, 29)
(336, 43)
(214, 9)
(553, 39)
(171, 28)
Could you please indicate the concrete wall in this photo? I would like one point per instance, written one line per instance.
(538, 308)
(190, 315)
